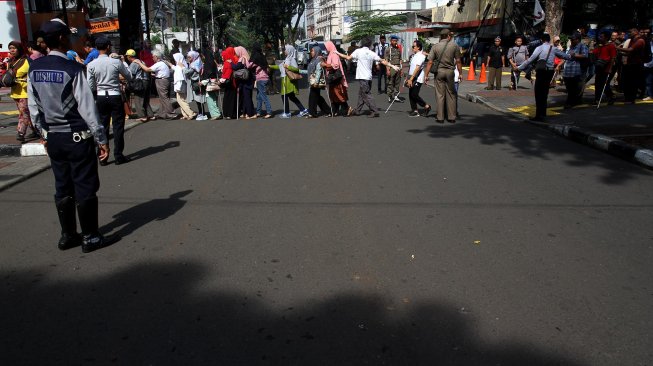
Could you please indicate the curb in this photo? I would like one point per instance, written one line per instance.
(30, 172)
(612, 146)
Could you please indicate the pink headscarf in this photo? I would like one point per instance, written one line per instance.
(243, 55)
(334, 60)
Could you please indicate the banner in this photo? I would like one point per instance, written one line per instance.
(538, 13)
(104, 25)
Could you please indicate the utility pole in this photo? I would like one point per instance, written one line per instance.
(146, 8)
(212, 28)
(194, 24)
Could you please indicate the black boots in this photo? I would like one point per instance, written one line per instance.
(88, 220)
(69, 236)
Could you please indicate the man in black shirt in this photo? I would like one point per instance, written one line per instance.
(496, 61)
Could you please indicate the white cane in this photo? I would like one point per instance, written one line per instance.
(237, 102)
(602, 92)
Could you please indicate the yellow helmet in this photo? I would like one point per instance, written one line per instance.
(130, 53)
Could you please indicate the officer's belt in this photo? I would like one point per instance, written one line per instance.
(108, 92)
(77, 136)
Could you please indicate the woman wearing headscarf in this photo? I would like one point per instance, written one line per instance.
(179, 86)
(210, 72)
(262, 78)
(289, 87)
(193, 86)
(338, 89)
(20, 67)
(228, 84)
(315, 99)
(245, 87)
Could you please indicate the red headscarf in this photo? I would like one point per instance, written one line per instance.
(229, 53)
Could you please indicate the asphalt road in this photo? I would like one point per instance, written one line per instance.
(340, 242)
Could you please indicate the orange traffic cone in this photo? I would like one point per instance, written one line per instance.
(483, 78)
(471, 75)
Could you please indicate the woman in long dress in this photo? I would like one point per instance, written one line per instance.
(338, 89)
(227, 83)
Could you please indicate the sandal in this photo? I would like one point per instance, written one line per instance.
(267, 116)
(252, 117)
(144, 119)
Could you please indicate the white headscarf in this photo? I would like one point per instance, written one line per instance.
(291, 57)
(196, 62)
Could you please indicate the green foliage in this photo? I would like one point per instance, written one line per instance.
(373, 22)
(156, 39)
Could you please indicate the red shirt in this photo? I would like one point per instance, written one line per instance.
(606, 52)
(146, 57)
(636, 57)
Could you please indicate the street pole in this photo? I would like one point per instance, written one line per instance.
(194, 24)
(212, 28)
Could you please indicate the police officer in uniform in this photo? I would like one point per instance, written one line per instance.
(62, 107)
(447, 56)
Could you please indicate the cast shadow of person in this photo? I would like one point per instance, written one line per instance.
(151, 150)
(137, 216)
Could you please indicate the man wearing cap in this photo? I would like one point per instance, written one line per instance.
(393, 56)
(141, 97)
(496, 61)
(104, 79)
(63, 109)
(447, 55)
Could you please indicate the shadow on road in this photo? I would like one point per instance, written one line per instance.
(151, 150)
(532, 142)
(140, 215)
(157, 314)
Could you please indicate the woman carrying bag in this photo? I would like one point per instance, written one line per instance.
(289, 89)
(338, 86)
(316, 84)
(245, 86)
(193, 86)
(228, 84)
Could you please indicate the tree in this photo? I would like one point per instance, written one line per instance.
(553, 18)
(373, 22)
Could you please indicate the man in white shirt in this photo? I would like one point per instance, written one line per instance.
(366, 59)
(161, 72)
(416, 79)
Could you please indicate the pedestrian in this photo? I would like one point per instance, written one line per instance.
(496, 61)
(575, 70)
(161, 72)
(289, 89)
(379, 49)
(648, 69)
(543, 56)
(393, 56)
(141, 92)
(605, 55)
(337, 85)
(19, 66)
(104, 79)
(179, 86)
(416, 79)
(351, 67)
(34, 51)
(209, 75)
(448, 56)
(68, 132)
(228, 84)
(516, 56)
(365, 58)
(91, 52)
(261, 68)
(193, 86)
(633, 68)
(316, 76)
(245, 86)
(270, 56)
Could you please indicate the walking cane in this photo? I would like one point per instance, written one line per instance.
(598, 105)
(237, 102)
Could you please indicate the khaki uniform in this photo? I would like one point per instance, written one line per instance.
(393, 56)
(445, 93)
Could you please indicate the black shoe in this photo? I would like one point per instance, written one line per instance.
(414, 114)
(427, 110)
(32, 136)
(452, 121)
(20, 137)
(373, 115)
(611, 101)
(104, 162)
(537, 119)
(97, 241)
(68, 241)
(122, 160)
(439, 121)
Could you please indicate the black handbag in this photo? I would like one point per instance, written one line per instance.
(540, 65)
(334, 77)
(136, 85)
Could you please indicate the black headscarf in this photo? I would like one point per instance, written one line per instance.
(210, 69)
(257, 56)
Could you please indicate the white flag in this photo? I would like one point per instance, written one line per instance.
(538, 13)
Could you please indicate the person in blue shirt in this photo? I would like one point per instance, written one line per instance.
(91, 52)
(575, 70)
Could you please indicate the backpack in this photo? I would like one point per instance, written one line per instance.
(241, 74)
(9, 77)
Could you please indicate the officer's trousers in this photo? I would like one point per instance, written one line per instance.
(445, 95)
(74, 165)
(112, 112)
(394, 83)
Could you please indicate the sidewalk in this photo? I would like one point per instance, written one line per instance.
(622, 130)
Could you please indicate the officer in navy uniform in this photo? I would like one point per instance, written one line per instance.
(63, 109)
